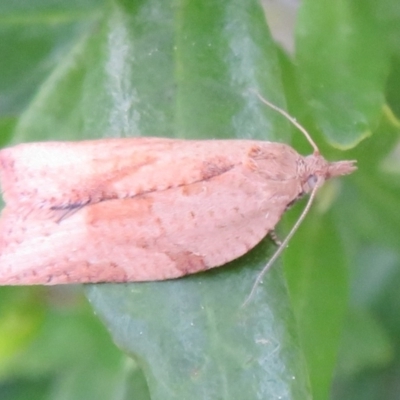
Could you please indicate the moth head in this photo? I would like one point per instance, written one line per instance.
(315, 170)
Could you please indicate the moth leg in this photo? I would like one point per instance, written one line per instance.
(274, 237)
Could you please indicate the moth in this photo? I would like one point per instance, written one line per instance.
(143, 209)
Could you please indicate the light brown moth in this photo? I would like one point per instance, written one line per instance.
(142, 209)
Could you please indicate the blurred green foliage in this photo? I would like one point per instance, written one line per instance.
(90, 69)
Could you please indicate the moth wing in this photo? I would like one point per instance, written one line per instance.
(155, 236)
(71, 174)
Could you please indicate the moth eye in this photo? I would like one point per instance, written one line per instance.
(312, 181)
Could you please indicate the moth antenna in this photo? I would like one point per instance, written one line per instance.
(283, 245)
(291, 119)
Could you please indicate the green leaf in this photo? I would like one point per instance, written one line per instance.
(70, 356)
(194, 340)
(368, 220)
(34, 38)
(343, 63)
(374, 351)
(316, 269)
